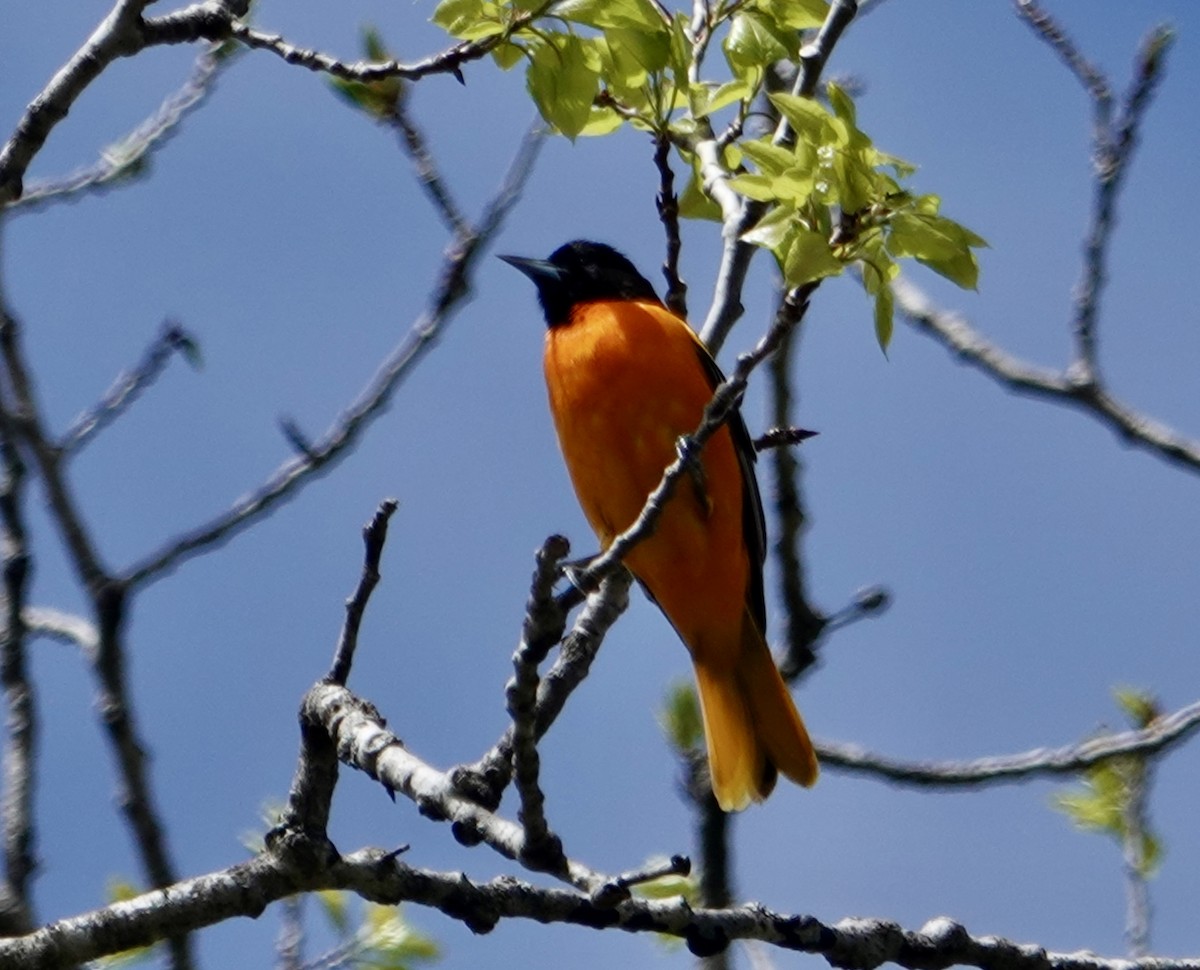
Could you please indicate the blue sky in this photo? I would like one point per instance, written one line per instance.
(1036, 562)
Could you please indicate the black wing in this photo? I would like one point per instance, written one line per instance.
(754, 524)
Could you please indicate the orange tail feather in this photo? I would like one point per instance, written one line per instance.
(751, 725)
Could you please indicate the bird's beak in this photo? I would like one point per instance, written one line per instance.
(541, 271)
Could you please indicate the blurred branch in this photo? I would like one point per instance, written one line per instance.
(172, 338)
(452, 288)
(24, 425)
(803, 623)
(118, 35)
(21, 721)
(247, 889)
(67, 628)
(961, 339)
(128, 157)
(428, 176)
(1163, 734)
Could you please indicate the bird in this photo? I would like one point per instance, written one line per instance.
(626, 378)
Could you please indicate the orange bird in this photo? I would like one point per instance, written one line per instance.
(626, 378)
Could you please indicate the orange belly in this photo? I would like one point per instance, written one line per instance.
(622, 392)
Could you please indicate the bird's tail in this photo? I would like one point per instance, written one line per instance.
(751, 725)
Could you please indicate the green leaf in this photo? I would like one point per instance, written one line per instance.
(937, 242)
(773, 229)
(1141, 707)
(884, 317)
(794, 14)
(810, 121)
(680, 718)
(562, 84)
(601, 121)
(729, 92)
(335, 906)
(809, 258)
(377, 98)
(507, 55)
(638, 15)
(843, 106)
(771, 159)
(754, 43)
(761, 188)
(469, 19)
(390, 942)
(694, 204)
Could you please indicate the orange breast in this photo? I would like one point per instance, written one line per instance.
(625, 382)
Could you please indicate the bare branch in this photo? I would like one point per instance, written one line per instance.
(1163, 734)
(1093, 81)
(338, 441)
(247, 889)
(959, 337)
(428, 176)
(803, 623)
(128, 157)
(358, 734)
(450, 61)
(484, 782)
(543, 628)
(118, 35)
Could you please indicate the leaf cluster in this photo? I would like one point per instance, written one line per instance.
(1110, 792)
(829, 198)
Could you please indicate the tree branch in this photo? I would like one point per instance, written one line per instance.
(128, 157)
(172, 338)
(961, 339)
(1163, 734)
(453, 286)
(247, 889)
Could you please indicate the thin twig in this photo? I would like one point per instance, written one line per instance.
(374, 535)
(1162, 735)
(171, 339)
(338, 441)
(450, 61)
(428, 176)
(44, 621)
(667, 204)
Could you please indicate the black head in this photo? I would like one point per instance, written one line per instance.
(579, 272)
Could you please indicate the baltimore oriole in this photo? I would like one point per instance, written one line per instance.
(626, 378)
